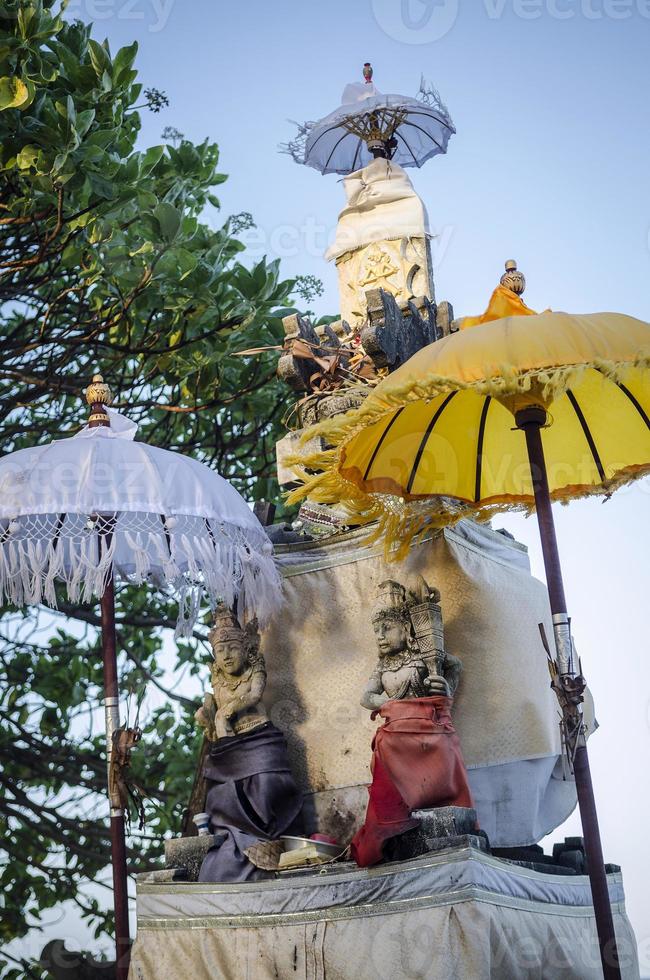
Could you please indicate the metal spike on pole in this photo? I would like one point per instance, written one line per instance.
(569, 685)
(98, 395)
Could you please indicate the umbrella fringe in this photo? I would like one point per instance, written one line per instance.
(400, 523)
(231, 564)
(549, 384)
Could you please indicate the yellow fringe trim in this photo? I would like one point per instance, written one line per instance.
(401, 522)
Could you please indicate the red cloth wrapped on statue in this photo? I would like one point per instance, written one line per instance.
(416, 764)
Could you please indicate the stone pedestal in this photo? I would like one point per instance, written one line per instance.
(441, 827)
(187, 853)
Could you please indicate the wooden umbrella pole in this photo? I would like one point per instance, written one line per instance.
(98, 395)
(531, 420)
(118, 843)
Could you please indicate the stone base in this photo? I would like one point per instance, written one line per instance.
(440, 827)
(187, 853)
(446, 821)
(164, 876)
(413, 844)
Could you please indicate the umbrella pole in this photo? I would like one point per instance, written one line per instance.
(118, 844)
(531, 421)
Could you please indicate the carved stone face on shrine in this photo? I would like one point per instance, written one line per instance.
(229, 653)
(391, 634)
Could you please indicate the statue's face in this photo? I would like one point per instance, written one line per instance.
(391, 636)
(230, 656)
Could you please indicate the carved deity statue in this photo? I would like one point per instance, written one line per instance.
(417, 761)
(238, 679)
(409, 666)
(251, 794)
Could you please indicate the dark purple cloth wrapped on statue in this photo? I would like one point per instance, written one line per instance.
(251, 796)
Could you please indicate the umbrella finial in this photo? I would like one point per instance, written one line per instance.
(98, 395)
(367, 72)
(513, 279)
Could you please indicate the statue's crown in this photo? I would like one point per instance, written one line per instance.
(391, 599)
(226, 626)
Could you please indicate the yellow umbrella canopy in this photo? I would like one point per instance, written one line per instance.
(442, 425)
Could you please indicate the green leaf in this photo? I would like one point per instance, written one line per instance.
(27, 156)
(146, 199)
(124, 60)
(85, 120)
(99, 57)
(169, 219)
(150, 159)
(16, 93)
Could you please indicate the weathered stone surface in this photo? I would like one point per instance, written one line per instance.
(446, 821)
(162, 876)
(392, 334)
(414, 844)
(444, 318)
(188, 852)
(440, 827)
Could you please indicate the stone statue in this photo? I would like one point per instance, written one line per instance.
(402, 671)
(238, 679)
(251, 794)
(417, 761)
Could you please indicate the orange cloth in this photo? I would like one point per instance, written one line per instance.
(503, 302)
(417, 763)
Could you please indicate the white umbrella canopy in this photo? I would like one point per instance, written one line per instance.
(410, 130)
(76, 509)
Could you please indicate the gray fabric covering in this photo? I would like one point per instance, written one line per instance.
(252, 796)
(457, 914)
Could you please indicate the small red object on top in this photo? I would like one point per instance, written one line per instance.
(367, 72)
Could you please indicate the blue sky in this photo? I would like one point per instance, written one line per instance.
(549, 166)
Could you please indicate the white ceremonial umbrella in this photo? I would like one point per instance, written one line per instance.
(99, 505)
(408, 131)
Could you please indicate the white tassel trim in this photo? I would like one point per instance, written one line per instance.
(224, 564)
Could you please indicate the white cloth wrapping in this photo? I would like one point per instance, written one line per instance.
(322, 650)
(456, 914)
(75, 508)
(382, 206)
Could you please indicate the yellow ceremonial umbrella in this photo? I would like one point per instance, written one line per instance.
(509, 413)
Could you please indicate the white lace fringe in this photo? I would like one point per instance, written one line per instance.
(227, 567)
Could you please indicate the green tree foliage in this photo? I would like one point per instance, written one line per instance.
(110, 258)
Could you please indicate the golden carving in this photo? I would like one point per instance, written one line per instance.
(98, 393)
(401, 267)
